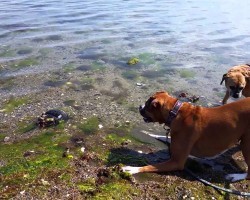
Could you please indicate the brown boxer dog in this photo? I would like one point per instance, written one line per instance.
(237, 82)
(198, 131)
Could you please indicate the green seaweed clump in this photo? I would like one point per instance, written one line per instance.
(133, 61)
(90, 126)
(186, 73)
(29, 156)
(24, 127)
(69, 67)
(7, 53)
(25, 63)
(13, 103)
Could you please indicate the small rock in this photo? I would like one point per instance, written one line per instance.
(22, 192)
(45, 182)
(82, 149)
(100, 126)
(138, 84)
(6, 139)
(25, 175)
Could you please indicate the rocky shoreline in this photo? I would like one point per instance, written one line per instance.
(111, 101)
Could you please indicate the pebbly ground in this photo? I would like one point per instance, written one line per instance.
(77, 159)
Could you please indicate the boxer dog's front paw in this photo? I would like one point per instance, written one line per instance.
(236, 177)
(131, 170)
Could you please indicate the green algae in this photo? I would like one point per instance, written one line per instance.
(70, 102)
(110, 183)
(116, 139)
(133, 61)
(24, 127)
(47, 154)
(133, 108)
(69, 67)
(147, 58)
(90, 126)
(2, 136)
(7, 53)
(44, 52)
(187, 73)
(118, 156)
(120, 97)
(25, 63)
(97, 65)
(85, 83)
(13, 103)
(7, 83)
(29, 161)
(220, 94)
(116, 190)
(88, 186)
(130, 74)
(87, 80)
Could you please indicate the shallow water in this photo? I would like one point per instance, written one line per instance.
(174, 34)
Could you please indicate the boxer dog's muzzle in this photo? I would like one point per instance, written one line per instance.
(236, 92)
(142, 110)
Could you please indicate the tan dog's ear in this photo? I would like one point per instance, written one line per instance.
(247, 72)
(155, 103)
(223, 78)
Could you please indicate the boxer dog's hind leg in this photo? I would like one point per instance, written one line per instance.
(245, 148)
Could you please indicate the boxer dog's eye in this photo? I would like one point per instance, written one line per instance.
(232, 87)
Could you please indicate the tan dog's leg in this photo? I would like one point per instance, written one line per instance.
(180, 148)
(245, 148)
(226, 97)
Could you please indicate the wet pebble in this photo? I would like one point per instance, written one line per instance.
(100, 126)
(44, 182)
(22, 192)
(6, 139)
(82, 149)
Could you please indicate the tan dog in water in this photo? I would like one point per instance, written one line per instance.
(198, 131)
(237, 82)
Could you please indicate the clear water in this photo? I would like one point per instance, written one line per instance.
(213, 34)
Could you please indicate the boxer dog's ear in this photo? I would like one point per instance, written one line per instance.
(224, 77)
(155, 103)
(247, 76)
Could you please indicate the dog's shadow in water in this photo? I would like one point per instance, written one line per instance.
(211, 170)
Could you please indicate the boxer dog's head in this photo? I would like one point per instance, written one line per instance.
(235, 82)
(154, 110)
